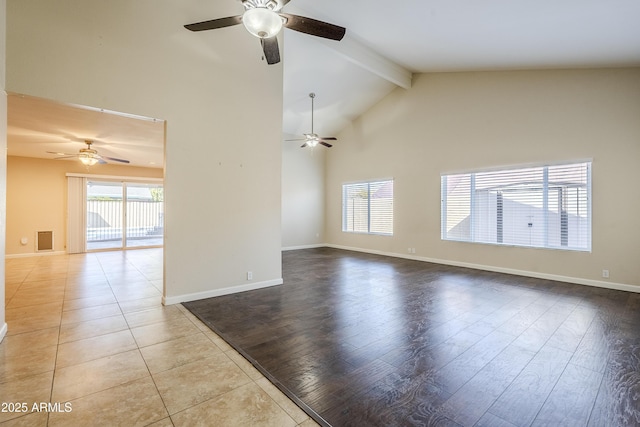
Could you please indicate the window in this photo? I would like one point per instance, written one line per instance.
(542, 207)
(367, 207)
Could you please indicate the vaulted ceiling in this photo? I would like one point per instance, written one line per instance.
(386, 42)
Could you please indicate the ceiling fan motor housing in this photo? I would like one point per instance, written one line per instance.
(267, 4)
(88, 151)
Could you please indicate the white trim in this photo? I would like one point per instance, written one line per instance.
(219, 292)
(3, 332)
(517, 166)
(116, 178)
(94, 109)
(30, 254)
(368, 181)
(526, 273)
(313, 246)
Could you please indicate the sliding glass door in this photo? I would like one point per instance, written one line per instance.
(123, 215)
(144, 215)
(104, 215)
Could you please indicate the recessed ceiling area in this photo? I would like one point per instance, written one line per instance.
(35, 126)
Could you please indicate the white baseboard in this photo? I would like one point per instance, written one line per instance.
(32, 254)
(219, 292)
(534, 274)
(3, 332)
(295, 248)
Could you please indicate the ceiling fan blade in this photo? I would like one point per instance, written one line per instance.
(301, 139)
(313, 27)
(304, 145)
(113, 159)
(329, 138)
(68, 156)
(325, 144)
(215, 23)
(60, 154)
(271, 50)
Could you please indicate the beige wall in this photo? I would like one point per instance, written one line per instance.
(302, 195)
(3, 160)
(37, 197)
(222, 105)
(464, 121)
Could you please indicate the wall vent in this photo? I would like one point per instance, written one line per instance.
(44, 241)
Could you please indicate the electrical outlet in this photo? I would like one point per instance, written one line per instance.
(605, 274)
(249, 275)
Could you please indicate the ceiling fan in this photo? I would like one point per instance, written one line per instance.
(88, 156)
(312, 139)
(264, 19)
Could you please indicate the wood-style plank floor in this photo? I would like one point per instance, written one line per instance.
(365, 340)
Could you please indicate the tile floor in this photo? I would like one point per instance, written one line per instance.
(88, 335)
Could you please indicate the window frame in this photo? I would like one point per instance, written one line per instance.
(368, 183)
(473, 237)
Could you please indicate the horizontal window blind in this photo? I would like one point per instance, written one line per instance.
(367, 207)
(546, 206)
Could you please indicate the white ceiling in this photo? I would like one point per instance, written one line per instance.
(37, 125)
(385, 43)
(424, 36)
(454, 35)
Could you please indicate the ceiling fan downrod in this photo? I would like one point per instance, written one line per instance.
(312, 139)
(312, 95)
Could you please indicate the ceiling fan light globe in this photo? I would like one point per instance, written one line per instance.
(88, 160)
(262, 22)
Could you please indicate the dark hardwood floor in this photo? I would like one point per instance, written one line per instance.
(365, 340)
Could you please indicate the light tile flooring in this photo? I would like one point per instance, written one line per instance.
(88, 334)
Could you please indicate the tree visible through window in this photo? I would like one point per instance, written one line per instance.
(367, 207)
(546, 206)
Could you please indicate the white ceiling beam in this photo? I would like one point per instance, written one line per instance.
(367, 58)
(359, 54)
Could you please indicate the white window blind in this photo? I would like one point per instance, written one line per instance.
(367, 207)
(546, 206)
(76, 214)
